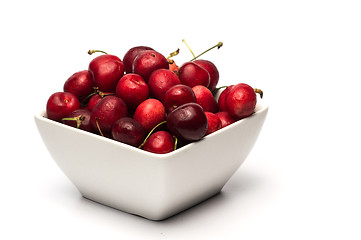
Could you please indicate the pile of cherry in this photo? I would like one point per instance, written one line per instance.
(147, 101)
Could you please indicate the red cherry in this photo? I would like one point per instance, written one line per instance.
(147, 62)
(130, 55)
(132, 89)
(60, 104)
(188, 122)
(80, 84)
(149, 113)
(212, 70)
(191, 74)
(225, 118)
(222, 99)
(80, 119)
(241, 101)
(106, 70)
(96, 98)
(108, 110)
(178, 95)
(159, 142)
(160, 81)
(214, 123)
(205, 98)
(129, 131)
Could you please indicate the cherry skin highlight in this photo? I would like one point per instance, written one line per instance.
(159, 142)
(130, 55)
(60, 104)
(129, 131)
(80, 84)
(106, 70)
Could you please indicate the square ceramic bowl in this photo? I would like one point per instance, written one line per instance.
(154, 186)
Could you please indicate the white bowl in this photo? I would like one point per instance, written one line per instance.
(154, 186)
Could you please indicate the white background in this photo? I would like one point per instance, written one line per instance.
(302, 179)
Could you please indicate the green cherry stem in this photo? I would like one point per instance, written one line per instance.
(175, 142)
(90, 52)
(150, 133)
(218, 45)
(100, 131)
(79, 119)
(188, 47)
(217, 89)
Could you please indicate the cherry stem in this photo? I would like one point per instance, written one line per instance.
(90, 52)
(79, 119)
(150, 133)
(175, 142)
(172, 54)
(188, 47)
(100, 131)
(217, 89)
(218, 45)
(259, 91)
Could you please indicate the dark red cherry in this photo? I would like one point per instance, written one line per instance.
(80, 84)
(178, 95)
(147, 62)
(106, 70)
(129, 131)
(159, 142)
(160, 81)
(96, 98)
(191, 74)
(80, 119)
(60, 104)
(212, 70)
(130, 55)
(188, 122)
(108, 110)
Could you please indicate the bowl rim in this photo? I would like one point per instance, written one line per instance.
(260, 108)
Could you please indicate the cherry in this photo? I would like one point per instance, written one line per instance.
(147, 62)
(80, 84)
(191, 74)
(149, 113)
(130, 55)
(160, 81)
(160, 142)
(222, 99)
(225, 118)
(60, 104)
(132, 89)
(188, 122)
(80, 119)
(106, 70)
(214, 123)
(205, 98)
(95, 98)
(178, 95)
(241, 101)
(108, 110)
(128, 131)
(212, 70)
